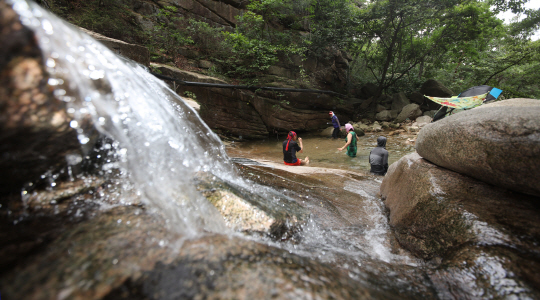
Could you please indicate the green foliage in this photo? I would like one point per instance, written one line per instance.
(118, 22)
(191, 95)
(403, 39)
(254, 47)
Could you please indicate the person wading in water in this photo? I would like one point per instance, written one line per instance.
(290, 147)
(350, 140)
(335, 123)
(378, 157)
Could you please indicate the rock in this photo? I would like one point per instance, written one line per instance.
(412, 129)
(399, 101)
(369, 90)
(423, 121)
(497, 144)
(411, 112)
(434, 88)
(468, 225)
(205, 64)
(137, 53)
(375, 127)
(430, 113)
(386, 115)
(366, 103)
(515, 102)
(380, 108)
(279, 71)
(249, 212)
(327, 132)
(35, 132)
(418, 98)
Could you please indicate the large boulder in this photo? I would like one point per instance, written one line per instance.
(435, 89)
(418, 98)
(254, 115)
(399, 101)
(498, 144)
(410, 111)
(386, 115)
(466, 226)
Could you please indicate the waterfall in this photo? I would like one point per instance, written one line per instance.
(159, 141)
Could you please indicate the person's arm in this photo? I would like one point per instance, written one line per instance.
(339, 125)
(385, 161)
(349, 140)
(301, 145)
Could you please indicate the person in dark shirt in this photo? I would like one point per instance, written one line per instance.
(290, 147)
(335, 123)
(378, 157)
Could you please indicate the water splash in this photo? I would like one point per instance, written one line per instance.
(159, 141)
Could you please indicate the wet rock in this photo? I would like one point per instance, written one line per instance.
(235, 268)
(35, 132)
(278, 217)
(436, 212)
(499, 145)
(488, 273)
(410, 111)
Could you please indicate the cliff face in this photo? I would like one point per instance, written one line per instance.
(166, 28)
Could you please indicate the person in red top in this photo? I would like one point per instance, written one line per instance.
(290, 147)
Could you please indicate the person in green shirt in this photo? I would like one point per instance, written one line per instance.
(351, 141)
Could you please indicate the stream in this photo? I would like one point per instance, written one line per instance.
(157, 145)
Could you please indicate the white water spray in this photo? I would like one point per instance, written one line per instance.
(160, 142)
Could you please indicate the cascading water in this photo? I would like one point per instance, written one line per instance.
(159, 143)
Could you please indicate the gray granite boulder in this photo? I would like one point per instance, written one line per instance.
(497, 143)
(399, 101)
(410, 111)
(468, 227)
(386, 115)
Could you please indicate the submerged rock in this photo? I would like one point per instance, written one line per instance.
(275, 215)
(496, 144)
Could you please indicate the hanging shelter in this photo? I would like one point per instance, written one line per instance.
(470, 98)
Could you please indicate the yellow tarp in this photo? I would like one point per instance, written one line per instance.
(460, 103)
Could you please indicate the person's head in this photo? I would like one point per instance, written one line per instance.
(348, 127)
(292, 136)
(381, 142)
(331, 113)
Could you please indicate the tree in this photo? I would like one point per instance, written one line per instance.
(398, 37)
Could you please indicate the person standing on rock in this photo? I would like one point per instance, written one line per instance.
(351, 141)
(335, 123)
(290, 147)
(378, 157)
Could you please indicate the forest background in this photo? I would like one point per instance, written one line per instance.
(395, 45)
